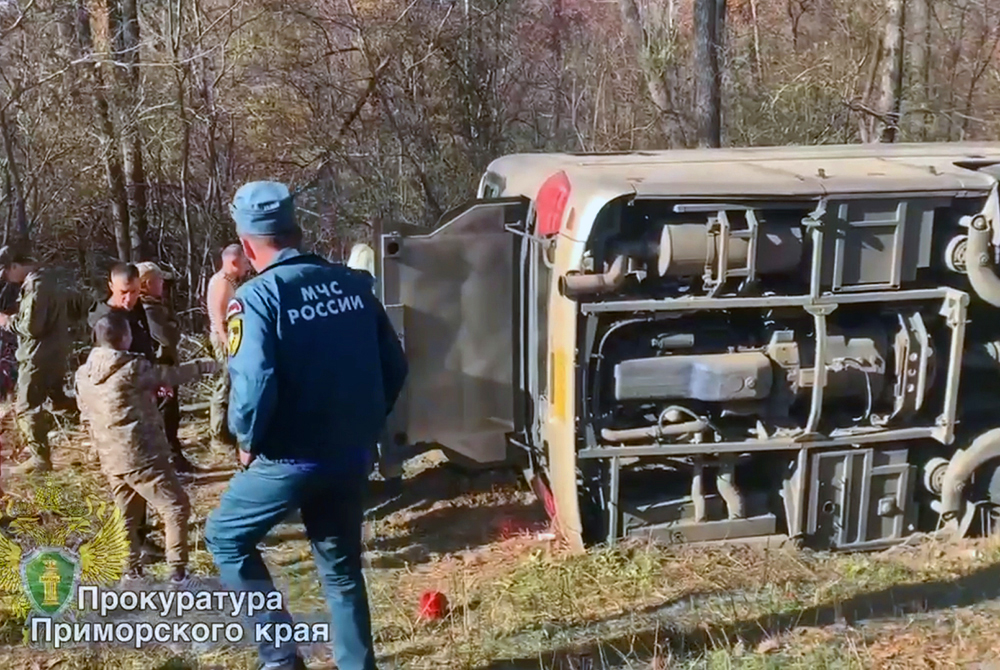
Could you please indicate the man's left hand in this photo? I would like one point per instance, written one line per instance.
(4, 320)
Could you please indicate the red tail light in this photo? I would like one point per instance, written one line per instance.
(550, 204)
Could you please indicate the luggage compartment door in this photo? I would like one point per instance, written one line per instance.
(453, 293)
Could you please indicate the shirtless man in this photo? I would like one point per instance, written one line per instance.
(221, 289)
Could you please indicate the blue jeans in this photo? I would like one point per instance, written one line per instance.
(331, 502)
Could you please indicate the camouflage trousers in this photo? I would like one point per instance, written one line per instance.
(35, 385)
(159, 486)
(219, 424)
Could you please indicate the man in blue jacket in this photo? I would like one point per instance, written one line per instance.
(315, 369)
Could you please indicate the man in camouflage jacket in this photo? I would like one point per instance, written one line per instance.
(116, 390)
(42, 325)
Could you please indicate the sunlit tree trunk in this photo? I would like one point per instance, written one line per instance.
(890, 86)
(135, 174)
(105, 125)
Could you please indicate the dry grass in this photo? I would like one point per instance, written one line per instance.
(518, 600)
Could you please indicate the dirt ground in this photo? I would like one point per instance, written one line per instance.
(517, 599)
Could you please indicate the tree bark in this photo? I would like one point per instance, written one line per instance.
(919, 67)
(891, 77)
(660, 93)
(218, 183)
(182, 76)
(135, 173)
(109, 139)
(758, 66)
(15, 183)
(709, 27)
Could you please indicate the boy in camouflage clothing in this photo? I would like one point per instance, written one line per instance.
(116, 391)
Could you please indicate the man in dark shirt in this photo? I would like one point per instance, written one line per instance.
(123, 283)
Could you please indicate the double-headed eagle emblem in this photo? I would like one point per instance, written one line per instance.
(51, 544)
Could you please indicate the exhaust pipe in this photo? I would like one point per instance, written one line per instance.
(965, 461)
(574, 286)
(652, 432)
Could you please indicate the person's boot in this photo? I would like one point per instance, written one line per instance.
(183, 466)
(36, 464)
(133, 576)
(179, 576)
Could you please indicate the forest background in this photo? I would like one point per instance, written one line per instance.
(126, 126)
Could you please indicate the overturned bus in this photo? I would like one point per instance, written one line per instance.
(714, 345)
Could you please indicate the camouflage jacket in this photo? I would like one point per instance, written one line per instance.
(164, 329)
(42, 322)
(116, 392)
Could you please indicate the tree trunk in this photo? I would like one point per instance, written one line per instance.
(8, 192)
(15, 183)
(919, 67)
(758, 67)
(709, 26)
(217, 181)
(656, 82)
(891, 77)
(182, 76)
(109, 140)
(135, 173)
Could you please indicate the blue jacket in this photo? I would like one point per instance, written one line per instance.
(315, 366)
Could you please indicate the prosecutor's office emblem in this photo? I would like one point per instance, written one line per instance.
(54, 544)
(235, 334)
(49, 577)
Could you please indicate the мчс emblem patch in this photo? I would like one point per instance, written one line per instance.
(235, 307)
(235, 328)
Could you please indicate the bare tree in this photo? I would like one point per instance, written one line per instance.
(105, 125)
(135, 173)
(709, 22)
(890, 87)
(918, 20)
(15, 186)
(668, 118)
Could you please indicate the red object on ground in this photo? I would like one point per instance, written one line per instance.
(433, 606)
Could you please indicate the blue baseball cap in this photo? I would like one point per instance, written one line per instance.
(263, 208)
